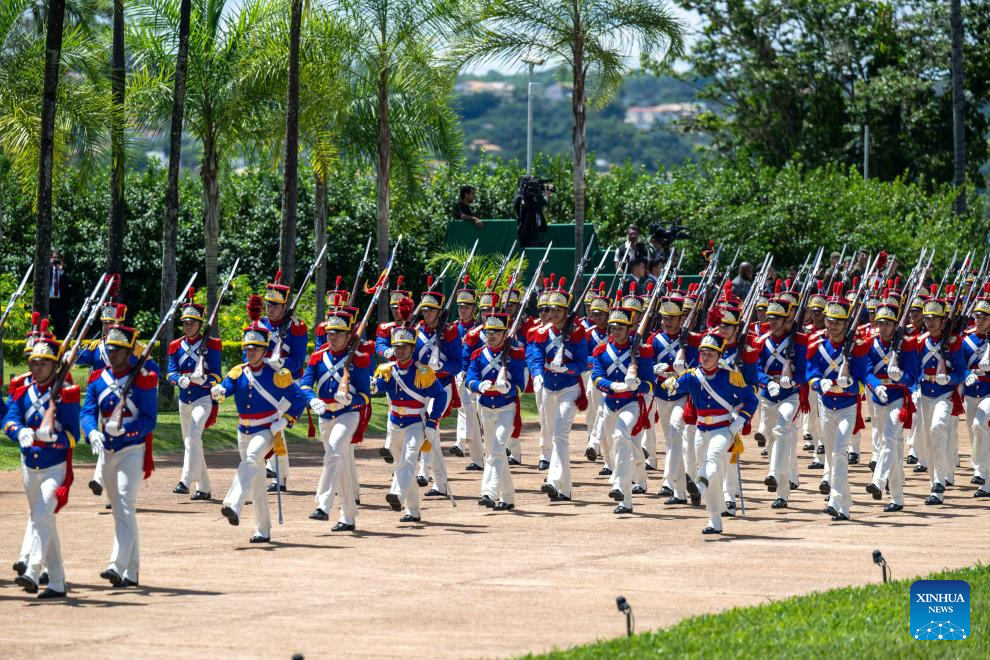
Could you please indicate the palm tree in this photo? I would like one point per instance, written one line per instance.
(216, 112)
(290, 184)
(115, 223)
(592, 39)
(958, 105)
(397, 73)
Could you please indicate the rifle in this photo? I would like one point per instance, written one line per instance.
(558, 359)
(76, 335)
(360, 270)
(594, 274)
(625, 269)
(445, 312)
(505, 263)
(512, 280)
(914, 285)
(748, 308)
(704, 290)
(728, 271)
(514, 328)
(834, 269)
(118, 412)
(798, 323)
(644, 323)
(291, 309)
(949, 325)
(204, 345)
(18, 292)
(945, 273)
(855, 310)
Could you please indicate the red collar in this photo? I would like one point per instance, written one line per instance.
(404, 366)
(709, 373)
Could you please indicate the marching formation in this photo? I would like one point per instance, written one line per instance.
(802, 362)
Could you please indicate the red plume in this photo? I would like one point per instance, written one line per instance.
(837, 289)
(711, 243)
(890, 283)
(881, 259)
(35, 317)
(253, 307)
(44, 325)
(429, 282)
(728, 290)
(714, 317)
(278, 277)
(553, 276)
(649, 287)
(787, 284)
(855, 282)
(560, 285)
(546, 283)
(679, 279)
(115, 287)
(777, 286)
(950, 289)
(121, 310)
(986, 288)
(399, 280)
(601, 287)
(821, 285)
(670, 286)
(488, 284)
(191, 294)
(897, 281)
(467, 278)
(336, 283)
(405, 308)
(933, 288)
(632, 288)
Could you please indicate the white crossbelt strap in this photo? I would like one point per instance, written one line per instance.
(776, 352)
(281, 405)
(189, 352)
(38, 403)
(974, 358)
(670, 348)
(405, 388)
(930, 352)
(333, 371)
(833, 365)
(618, 361)
(113, 386)
(490, 367)
(102, 352)
(711, 391)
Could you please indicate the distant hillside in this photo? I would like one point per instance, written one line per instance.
(636, 125)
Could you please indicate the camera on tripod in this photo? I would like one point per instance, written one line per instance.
(666, 235)
(529, 204)
(533, 189)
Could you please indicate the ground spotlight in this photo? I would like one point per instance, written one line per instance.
(882, 563)
(623, 605)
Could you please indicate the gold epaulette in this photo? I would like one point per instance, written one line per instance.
(138, 349)
(736, 379)
(283, 378)
(235, 371)
(425, 377)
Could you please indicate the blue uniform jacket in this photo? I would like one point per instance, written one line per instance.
(251, 391)
(182, 360)
(27, 409)
(874, 368)
(923, 352)
(665, 349)
(322, 378)
(825, 361)
(408, 400)
(727, 384)
(769, 355)
(140, 411)
(609, 364)
(294, 345)
(543, 347)
(450, 350)
(972, 347)
(595, 338)
(484, 366)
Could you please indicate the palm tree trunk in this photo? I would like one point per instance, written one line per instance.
(580, 147)
(211, 216)
(958, 106)
(383, 169)
(170, 225)
(43, 227)
(320, 237)
(290, 183)
(115, 223)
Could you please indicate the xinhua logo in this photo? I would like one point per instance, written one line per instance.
(940, 609)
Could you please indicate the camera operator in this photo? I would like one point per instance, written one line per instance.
(529, 204)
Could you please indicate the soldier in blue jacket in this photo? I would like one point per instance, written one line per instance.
(557, 364)
(724, 403)
(976, 355)
(343, 414)
(268, 402)
(126, 447)
(623, 388)
(596, 334)
(46, 457)
(197, 411)
(889, 396)
(414, 418)
(498, 402)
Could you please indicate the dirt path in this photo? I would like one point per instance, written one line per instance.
(467, 581)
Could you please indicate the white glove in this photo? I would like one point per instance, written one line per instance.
(661, 368)
(984, 365)
(786, 382)
(44, 434)
(844, 381)
(113, 429)
(632, 382)
(738, 422)
(435, 364)
(826, 384)
(971, 380)
(670, 385)
(773, 388)
(881, 394)
(279, 425)
(556, 369)
(895, 373)
(96, 441)
(276, 363)
(942, 379)
(433, 435)
(538, 382)
(680, 367)
(198, 379)
(389, 352)
(619, 387)
(502, 387)
(485, 386)
(184, 382)
(343, 398)
(374, 386)
(459, 380)
(25, 437)
(318, 406)
(218, 393)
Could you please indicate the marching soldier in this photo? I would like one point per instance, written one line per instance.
(976, 354)
(810, 423)
(343, 415)
(916, 454)
(498, 403)
(337, 299)
(543, 318)
(837, 383)
(467, 413)
(415, 420)
(289, 352)
(596, 333)
(46, 457)
(512, 297)
(724, 404)
(473, 340)
(126, 447)
(890, 396)
(624, 413)
(400, 305)
(939, 372)
(197, 411)
(268, 401)
(556, 363)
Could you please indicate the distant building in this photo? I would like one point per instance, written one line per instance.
(645, 116)
(496, 87)
(483, 145)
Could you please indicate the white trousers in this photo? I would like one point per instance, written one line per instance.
(837, 426)
(783, 452)
(934, 417)
(249, 480)
(192, 421)
(559, 407)
(123, 472)
(468, 427)
(618, 425)
(648, 442)
(826, 457)
(410, 441)
(596, 399)
(671, 424)
(98, 470)
(889, 470)
(428, 459)
(283, 466)
(715, 444)
(977, 416)
(546, 422)
(914, 444)
(45, 551)
(338, 458)
(811, 422)
(496, 482)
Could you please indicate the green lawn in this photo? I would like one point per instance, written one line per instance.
(862, 622)
(223, 435)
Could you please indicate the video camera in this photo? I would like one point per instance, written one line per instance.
(533, 189)
(666, 236)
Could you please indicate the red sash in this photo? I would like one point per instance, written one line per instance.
(62, 492)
